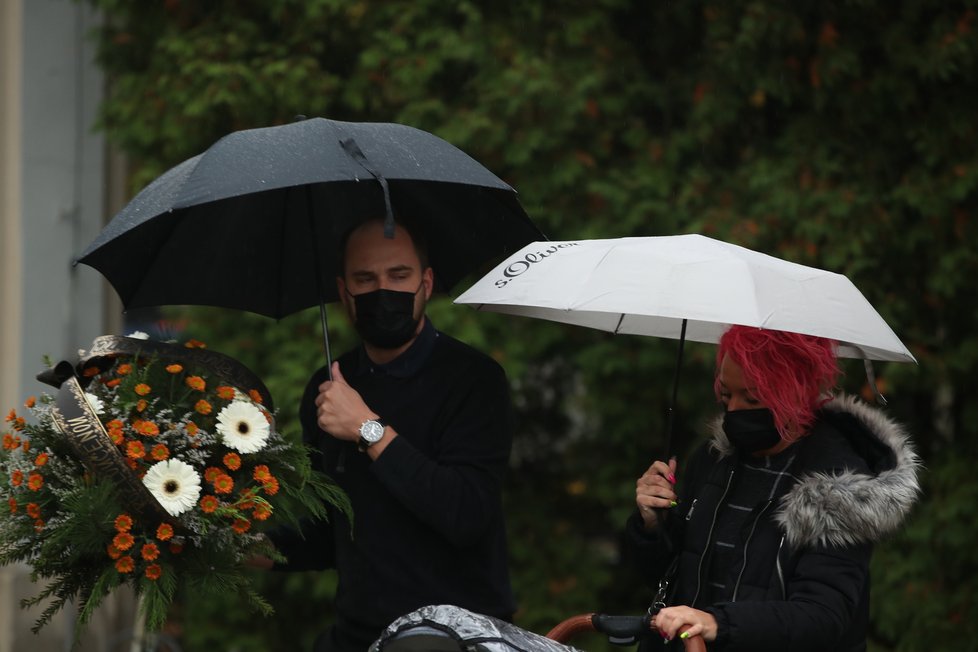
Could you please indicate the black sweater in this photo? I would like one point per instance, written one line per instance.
(427, 514)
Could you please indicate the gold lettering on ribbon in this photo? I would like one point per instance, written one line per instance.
(85, 434)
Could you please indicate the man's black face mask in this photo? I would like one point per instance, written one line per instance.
(385, 318)
(751, 430)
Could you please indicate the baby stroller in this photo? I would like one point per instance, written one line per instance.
(446, 628)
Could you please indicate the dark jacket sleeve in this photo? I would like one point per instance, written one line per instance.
(823, 592)
(652, 551)
(458, 491)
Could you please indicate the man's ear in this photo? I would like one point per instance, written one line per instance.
(428, 278)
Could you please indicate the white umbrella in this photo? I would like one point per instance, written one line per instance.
(652, 285)
(683, 287)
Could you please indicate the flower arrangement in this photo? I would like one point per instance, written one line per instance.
(164, 477)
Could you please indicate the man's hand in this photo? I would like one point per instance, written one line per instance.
(340, 409)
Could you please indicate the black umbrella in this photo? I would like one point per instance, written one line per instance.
(254, 222)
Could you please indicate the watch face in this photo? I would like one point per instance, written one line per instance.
(371, 431)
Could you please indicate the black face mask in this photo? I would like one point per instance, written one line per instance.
(751, 430)
(385, 318)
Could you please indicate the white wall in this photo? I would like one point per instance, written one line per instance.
(52, 203)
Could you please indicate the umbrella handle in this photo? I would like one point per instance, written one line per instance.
(675, 392)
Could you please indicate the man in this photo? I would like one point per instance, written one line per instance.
(416, 427)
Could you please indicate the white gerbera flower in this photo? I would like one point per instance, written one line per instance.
(138, 335)
(95, 402)
(243, 427)
(174, 484)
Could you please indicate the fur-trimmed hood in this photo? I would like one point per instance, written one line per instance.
(832, 503)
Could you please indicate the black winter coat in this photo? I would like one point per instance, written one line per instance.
(805, 581)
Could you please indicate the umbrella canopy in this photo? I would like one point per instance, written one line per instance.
(665, 285)
(254, 222)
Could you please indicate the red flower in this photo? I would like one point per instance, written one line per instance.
(153, 571)
(203, 407)
(196, 382)
(33, 510)
(135, 450)
(223, 484)
(241, 525)
(125, 564)
(232, 461)
(209, 504)
(41, 459)
(160, 452)
(174, 368)
(123, 541)
(164, 532)
(149, 551)
(35, 481)
(123, 523)
(142, 389)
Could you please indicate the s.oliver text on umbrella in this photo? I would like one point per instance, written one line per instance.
(518, 267)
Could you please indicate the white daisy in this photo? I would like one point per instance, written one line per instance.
(174, 484)
(95, 402)
(138, 335)
(243, 427)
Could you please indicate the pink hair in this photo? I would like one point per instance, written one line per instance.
(790, 373)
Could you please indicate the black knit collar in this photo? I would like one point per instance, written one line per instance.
(408, 363)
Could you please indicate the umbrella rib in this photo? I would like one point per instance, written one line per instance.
(621, 318)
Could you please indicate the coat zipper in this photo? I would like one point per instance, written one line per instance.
(750, 536)
(716, 511)
(777, 561)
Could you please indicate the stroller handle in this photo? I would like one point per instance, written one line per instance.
(621, 630)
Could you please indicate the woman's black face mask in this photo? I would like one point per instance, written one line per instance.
(385, 318)
(751, 430)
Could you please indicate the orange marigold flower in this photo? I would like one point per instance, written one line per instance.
(125, 564)
(123, 541)
(255, 396)
(17, 477)
(195, 344)
(211, 473)
(174, 368)
(117, 437)
(153, 571)
(241, 525)
(159, 452)
(11, 415)
(41, 459)
(88, 372)
(135, 450)
(223, 484)
(115, 424)
(196, 382)
(30, 402)
(142, 389)
(124, 369)
(209, 504)
(33, 510)
(19, 424)
(262, 512)
(113, 383)
(131, 463)
(261, 473)
(26, 445)
(232, 461)
(225, 392)
(13, 504)
(38, 525)
(8, 441)
(123, 523)
(141, 405)
(146, 428)
(164, 532)
(270, 486)
(176, 547)
(192, 428)
(202, 406)
(35, 481)
(149, 551)
(113, 552)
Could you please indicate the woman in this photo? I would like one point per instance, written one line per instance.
(774, 519)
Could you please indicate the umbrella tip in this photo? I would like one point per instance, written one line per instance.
(299, 118)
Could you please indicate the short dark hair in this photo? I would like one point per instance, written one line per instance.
(417, 239)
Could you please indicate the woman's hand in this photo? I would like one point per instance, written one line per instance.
(669, 620)
(654, 491)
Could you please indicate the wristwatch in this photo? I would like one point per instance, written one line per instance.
(371, 432)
